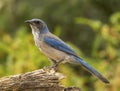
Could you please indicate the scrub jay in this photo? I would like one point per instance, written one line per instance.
(55, 49)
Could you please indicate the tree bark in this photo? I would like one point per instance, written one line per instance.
(45, 79)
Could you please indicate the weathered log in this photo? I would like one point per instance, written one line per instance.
(45, 79)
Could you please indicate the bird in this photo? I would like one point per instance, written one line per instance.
(56, 49)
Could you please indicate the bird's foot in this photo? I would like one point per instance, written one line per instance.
(55, 66)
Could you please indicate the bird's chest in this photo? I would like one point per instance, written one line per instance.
(46, 49)
(50, 52)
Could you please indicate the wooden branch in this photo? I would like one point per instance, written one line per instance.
(45, 79)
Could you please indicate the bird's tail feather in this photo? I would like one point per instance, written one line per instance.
(91, 70)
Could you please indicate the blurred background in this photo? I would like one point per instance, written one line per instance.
(90, 27)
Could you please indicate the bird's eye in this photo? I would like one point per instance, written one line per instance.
(37, 22)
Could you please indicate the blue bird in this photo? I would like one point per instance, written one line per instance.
(55, 49)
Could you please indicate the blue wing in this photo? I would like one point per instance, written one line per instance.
(59, 45)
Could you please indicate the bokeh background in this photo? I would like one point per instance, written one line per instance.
(90, 27)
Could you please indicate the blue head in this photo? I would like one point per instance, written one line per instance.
(37, 25)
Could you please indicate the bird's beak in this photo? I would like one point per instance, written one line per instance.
(28, 21)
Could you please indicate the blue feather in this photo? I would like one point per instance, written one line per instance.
(59, 45)
(91, 69)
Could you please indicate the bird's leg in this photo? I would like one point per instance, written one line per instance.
(55, 64)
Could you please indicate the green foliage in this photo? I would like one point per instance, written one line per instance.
(106, 47)
(91, 28)
(19, 53)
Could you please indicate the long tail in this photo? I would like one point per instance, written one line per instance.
(92, 70)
